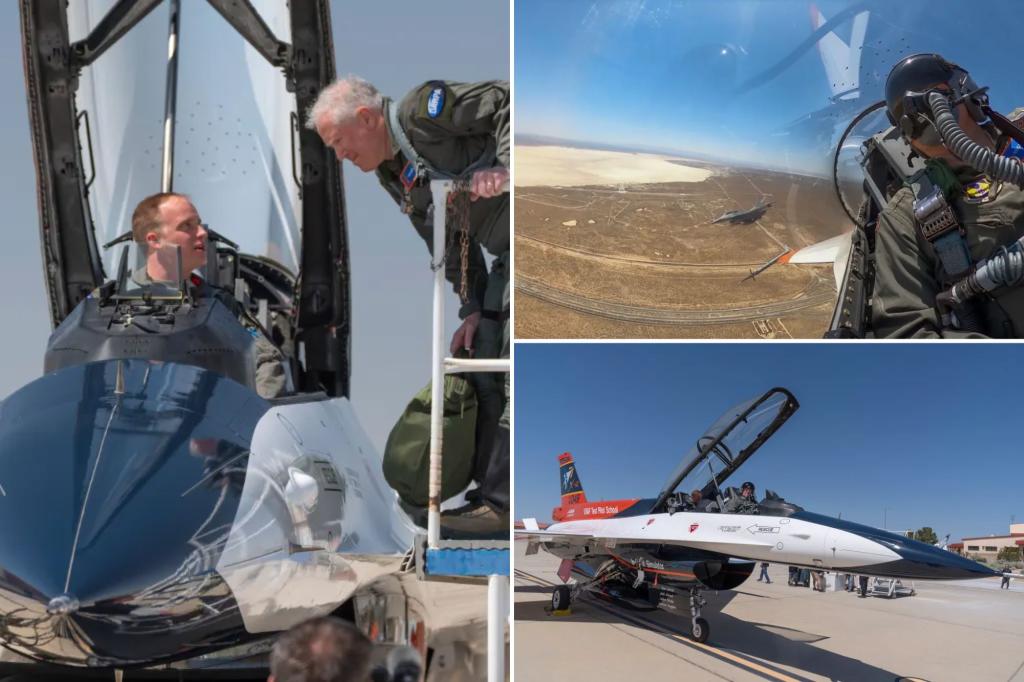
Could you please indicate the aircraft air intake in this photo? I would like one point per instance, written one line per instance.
(724, 574)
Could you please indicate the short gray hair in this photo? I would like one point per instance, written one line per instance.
(341, 98)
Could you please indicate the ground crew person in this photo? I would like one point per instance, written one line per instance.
(164, 221)
(918, 256)
(745, 503)
(454, 129)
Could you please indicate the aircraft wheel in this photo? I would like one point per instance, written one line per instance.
(560, 598)
(701, 630)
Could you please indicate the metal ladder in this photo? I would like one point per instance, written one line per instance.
(452, 560)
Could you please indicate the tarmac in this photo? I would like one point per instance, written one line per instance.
(957, 630)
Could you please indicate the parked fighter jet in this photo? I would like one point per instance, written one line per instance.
(156, 511)
(746, 216)
(643, 552)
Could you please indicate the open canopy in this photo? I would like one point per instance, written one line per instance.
(729, 442)
(128, 98)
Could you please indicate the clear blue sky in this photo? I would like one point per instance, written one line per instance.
(677, 75)
(395, 45)
(929, 431)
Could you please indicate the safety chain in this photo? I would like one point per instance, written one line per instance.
(459, 198)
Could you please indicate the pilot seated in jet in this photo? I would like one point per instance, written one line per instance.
(744, 503)
(164, 221)
(165, 313)
(958, 218)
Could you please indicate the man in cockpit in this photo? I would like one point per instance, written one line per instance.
(162, 222)
(460, 129)
(744, 503)
(923, 246)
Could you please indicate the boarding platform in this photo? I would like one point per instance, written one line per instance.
(459, 560)
(890, 587)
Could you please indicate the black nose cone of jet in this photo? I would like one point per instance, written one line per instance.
(119, 482)
(921, 561)
(918, 561)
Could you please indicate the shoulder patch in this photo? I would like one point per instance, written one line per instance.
(435, 101)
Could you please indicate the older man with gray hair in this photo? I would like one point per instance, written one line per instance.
(447, 129)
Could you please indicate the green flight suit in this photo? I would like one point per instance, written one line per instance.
(908, 273)
(741, 505)
(452, 125)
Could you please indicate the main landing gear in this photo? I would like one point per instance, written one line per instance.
(561, 598)
(700, 627)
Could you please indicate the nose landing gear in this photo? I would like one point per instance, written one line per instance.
(700, 628)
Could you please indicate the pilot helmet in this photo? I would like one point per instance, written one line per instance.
(747, 484)
(918, 74)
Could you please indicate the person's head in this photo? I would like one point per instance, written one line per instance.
(324, 649)
(747, 489)
(167, 220)
(921, 73)
(696, 496)
(349, 117)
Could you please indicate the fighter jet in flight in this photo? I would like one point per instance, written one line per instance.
(157, 512)
(756, 212)
(645, 553)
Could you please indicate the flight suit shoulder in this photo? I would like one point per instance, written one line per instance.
(431, 101)
(454, 109)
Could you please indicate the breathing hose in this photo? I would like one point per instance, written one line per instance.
(997, 167)
(1005, 268)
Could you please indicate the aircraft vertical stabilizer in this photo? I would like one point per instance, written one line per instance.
(841, 59)
(572, 489)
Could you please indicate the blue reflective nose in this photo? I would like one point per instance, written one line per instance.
(121, 481)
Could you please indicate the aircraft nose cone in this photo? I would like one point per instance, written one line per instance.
(62, 605)
(917, 561)
(926, 561)
(119, 483)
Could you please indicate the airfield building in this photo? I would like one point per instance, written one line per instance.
(987, 547)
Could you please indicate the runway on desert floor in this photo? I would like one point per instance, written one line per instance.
(948, 631)
(638, 255)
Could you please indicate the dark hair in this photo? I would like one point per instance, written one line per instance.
(324, 649)
(146, 216)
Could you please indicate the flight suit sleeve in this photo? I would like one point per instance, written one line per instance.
(271, 377)
(476, 266)
(903, 302)
(469, 109)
